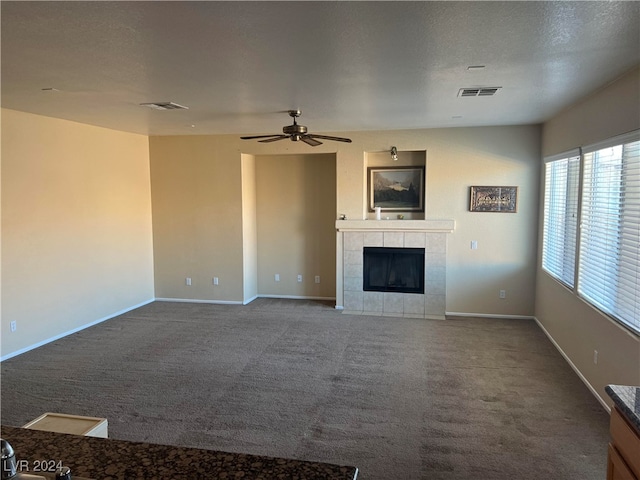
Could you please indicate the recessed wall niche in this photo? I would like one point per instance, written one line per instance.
(382, 159)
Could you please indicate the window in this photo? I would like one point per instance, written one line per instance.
(562, 177)
(608, 256)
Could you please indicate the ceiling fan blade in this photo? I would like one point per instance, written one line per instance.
(261, 136)
(326, 137)
(275, 139)
(310, 141)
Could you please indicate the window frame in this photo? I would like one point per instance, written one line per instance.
(622, 312)
(610, 295)
(569, 244)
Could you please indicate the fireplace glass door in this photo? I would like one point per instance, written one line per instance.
(393, 270)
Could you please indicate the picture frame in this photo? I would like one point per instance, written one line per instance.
(494, 199)
(396, 189)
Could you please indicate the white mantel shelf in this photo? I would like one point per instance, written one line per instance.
(396, 225)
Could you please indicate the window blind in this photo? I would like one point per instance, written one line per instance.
(562, 178)
(609, 258)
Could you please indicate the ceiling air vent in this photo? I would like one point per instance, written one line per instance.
(164, 106)
(478, 92)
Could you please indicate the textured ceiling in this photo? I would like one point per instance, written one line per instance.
(346, 65)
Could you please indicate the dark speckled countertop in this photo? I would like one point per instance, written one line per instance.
(107, 459)
(627, 399)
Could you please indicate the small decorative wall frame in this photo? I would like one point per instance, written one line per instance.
(396, 189)
(494, 199)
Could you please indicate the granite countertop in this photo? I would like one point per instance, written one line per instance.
(107, 459)
(627, 399)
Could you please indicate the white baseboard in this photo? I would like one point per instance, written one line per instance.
(489, 315)
(575, 369)
(297, 297)
(75, 330)
(197, 300)
(247, 302)
(244, 302)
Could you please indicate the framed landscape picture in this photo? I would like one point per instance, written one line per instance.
(396, 189)
(494, 199)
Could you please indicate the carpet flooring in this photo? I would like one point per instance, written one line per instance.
(472, 398)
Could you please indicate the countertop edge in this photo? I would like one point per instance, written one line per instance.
(621, 396)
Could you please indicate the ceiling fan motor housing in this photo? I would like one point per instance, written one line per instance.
(295, 131)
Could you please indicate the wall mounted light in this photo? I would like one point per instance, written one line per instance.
(394, 154)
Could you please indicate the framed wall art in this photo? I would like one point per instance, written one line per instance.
(494, 199)
(396, 189)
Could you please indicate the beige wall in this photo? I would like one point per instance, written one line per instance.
(76, 226)
(577, 328)
(610, 111)
(505, 258)
(197, 194)
(198, 213)
(296, 197)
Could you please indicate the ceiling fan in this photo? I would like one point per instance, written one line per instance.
(297, 133)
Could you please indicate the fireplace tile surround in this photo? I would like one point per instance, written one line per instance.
(354, 235)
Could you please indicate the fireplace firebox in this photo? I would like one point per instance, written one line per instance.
(393, 270)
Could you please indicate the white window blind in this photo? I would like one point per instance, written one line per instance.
(562, 178)
(609, 258)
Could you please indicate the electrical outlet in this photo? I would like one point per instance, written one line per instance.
(595, 357)
(215, 280)
(474, 244)
(14, 326)
(503, 294)
(299, 278)
(317, 278)
(187, 281)
(276, 277)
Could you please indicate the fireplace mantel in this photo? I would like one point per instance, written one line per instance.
(446, 226)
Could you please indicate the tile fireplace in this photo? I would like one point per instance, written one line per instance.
(430, 236)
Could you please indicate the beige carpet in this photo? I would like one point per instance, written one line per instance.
(398, 398)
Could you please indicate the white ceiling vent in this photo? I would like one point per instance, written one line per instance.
(164, 106)
(478, 92)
